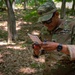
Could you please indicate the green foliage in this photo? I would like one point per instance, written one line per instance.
(26, 44)
(39, 2)
(37, 65)
(34, 65)
(1, 3)
(18, 1)
(3, 34)
(18, 5)
(31, 16)
(60, 0)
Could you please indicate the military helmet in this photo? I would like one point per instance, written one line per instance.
(46, 11)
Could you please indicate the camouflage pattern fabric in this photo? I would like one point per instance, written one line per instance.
(46, 11)
(45, 35)
(56, 62)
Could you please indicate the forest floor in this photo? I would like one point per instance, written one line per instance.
(17, 59)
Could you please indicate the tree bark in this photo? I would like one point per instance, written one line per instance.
(13, 4)
(73, 8)
(11, 22)
(25, 4)
(63, 10)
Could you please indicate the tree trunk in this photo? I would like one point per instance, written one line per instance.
(73, 8)
(11, 22)
(13, 4)
(25, 3)
(35, 1)
(63, 10)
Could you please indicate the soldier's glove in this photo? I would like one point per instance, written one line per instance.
(36, 49)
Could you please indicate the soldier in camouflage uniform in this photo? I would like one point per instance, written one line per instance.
(59, 31)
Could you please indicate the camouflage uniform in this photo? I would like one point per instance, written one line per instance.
(56, 62)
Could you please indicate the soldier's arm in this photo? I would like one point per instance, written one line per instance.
(67, 49)
(71, 49)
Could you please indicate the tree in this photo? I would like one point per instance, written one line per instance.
(73, 7)
(63, 7)
(25, 4)
(13, 4)
(1, 3)
(11, 22)
(63, 11)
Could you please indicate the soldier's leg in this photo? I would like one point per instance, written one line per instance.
(62, 67)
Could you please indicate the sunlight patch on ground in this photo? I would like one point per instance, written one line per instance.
(20, 23)
(72, 17)
(16, 47)
(40, 59)
(3, 43)
(27, 22)
(3, 25)
(27, 70)
(12, 47)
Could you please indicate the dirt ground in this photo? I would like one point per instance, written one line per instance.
(17, 59)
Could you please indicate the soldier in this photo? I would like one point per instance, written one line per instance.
(57, 48)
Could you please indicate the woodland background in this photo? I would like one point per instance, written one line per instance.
(17, 18)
